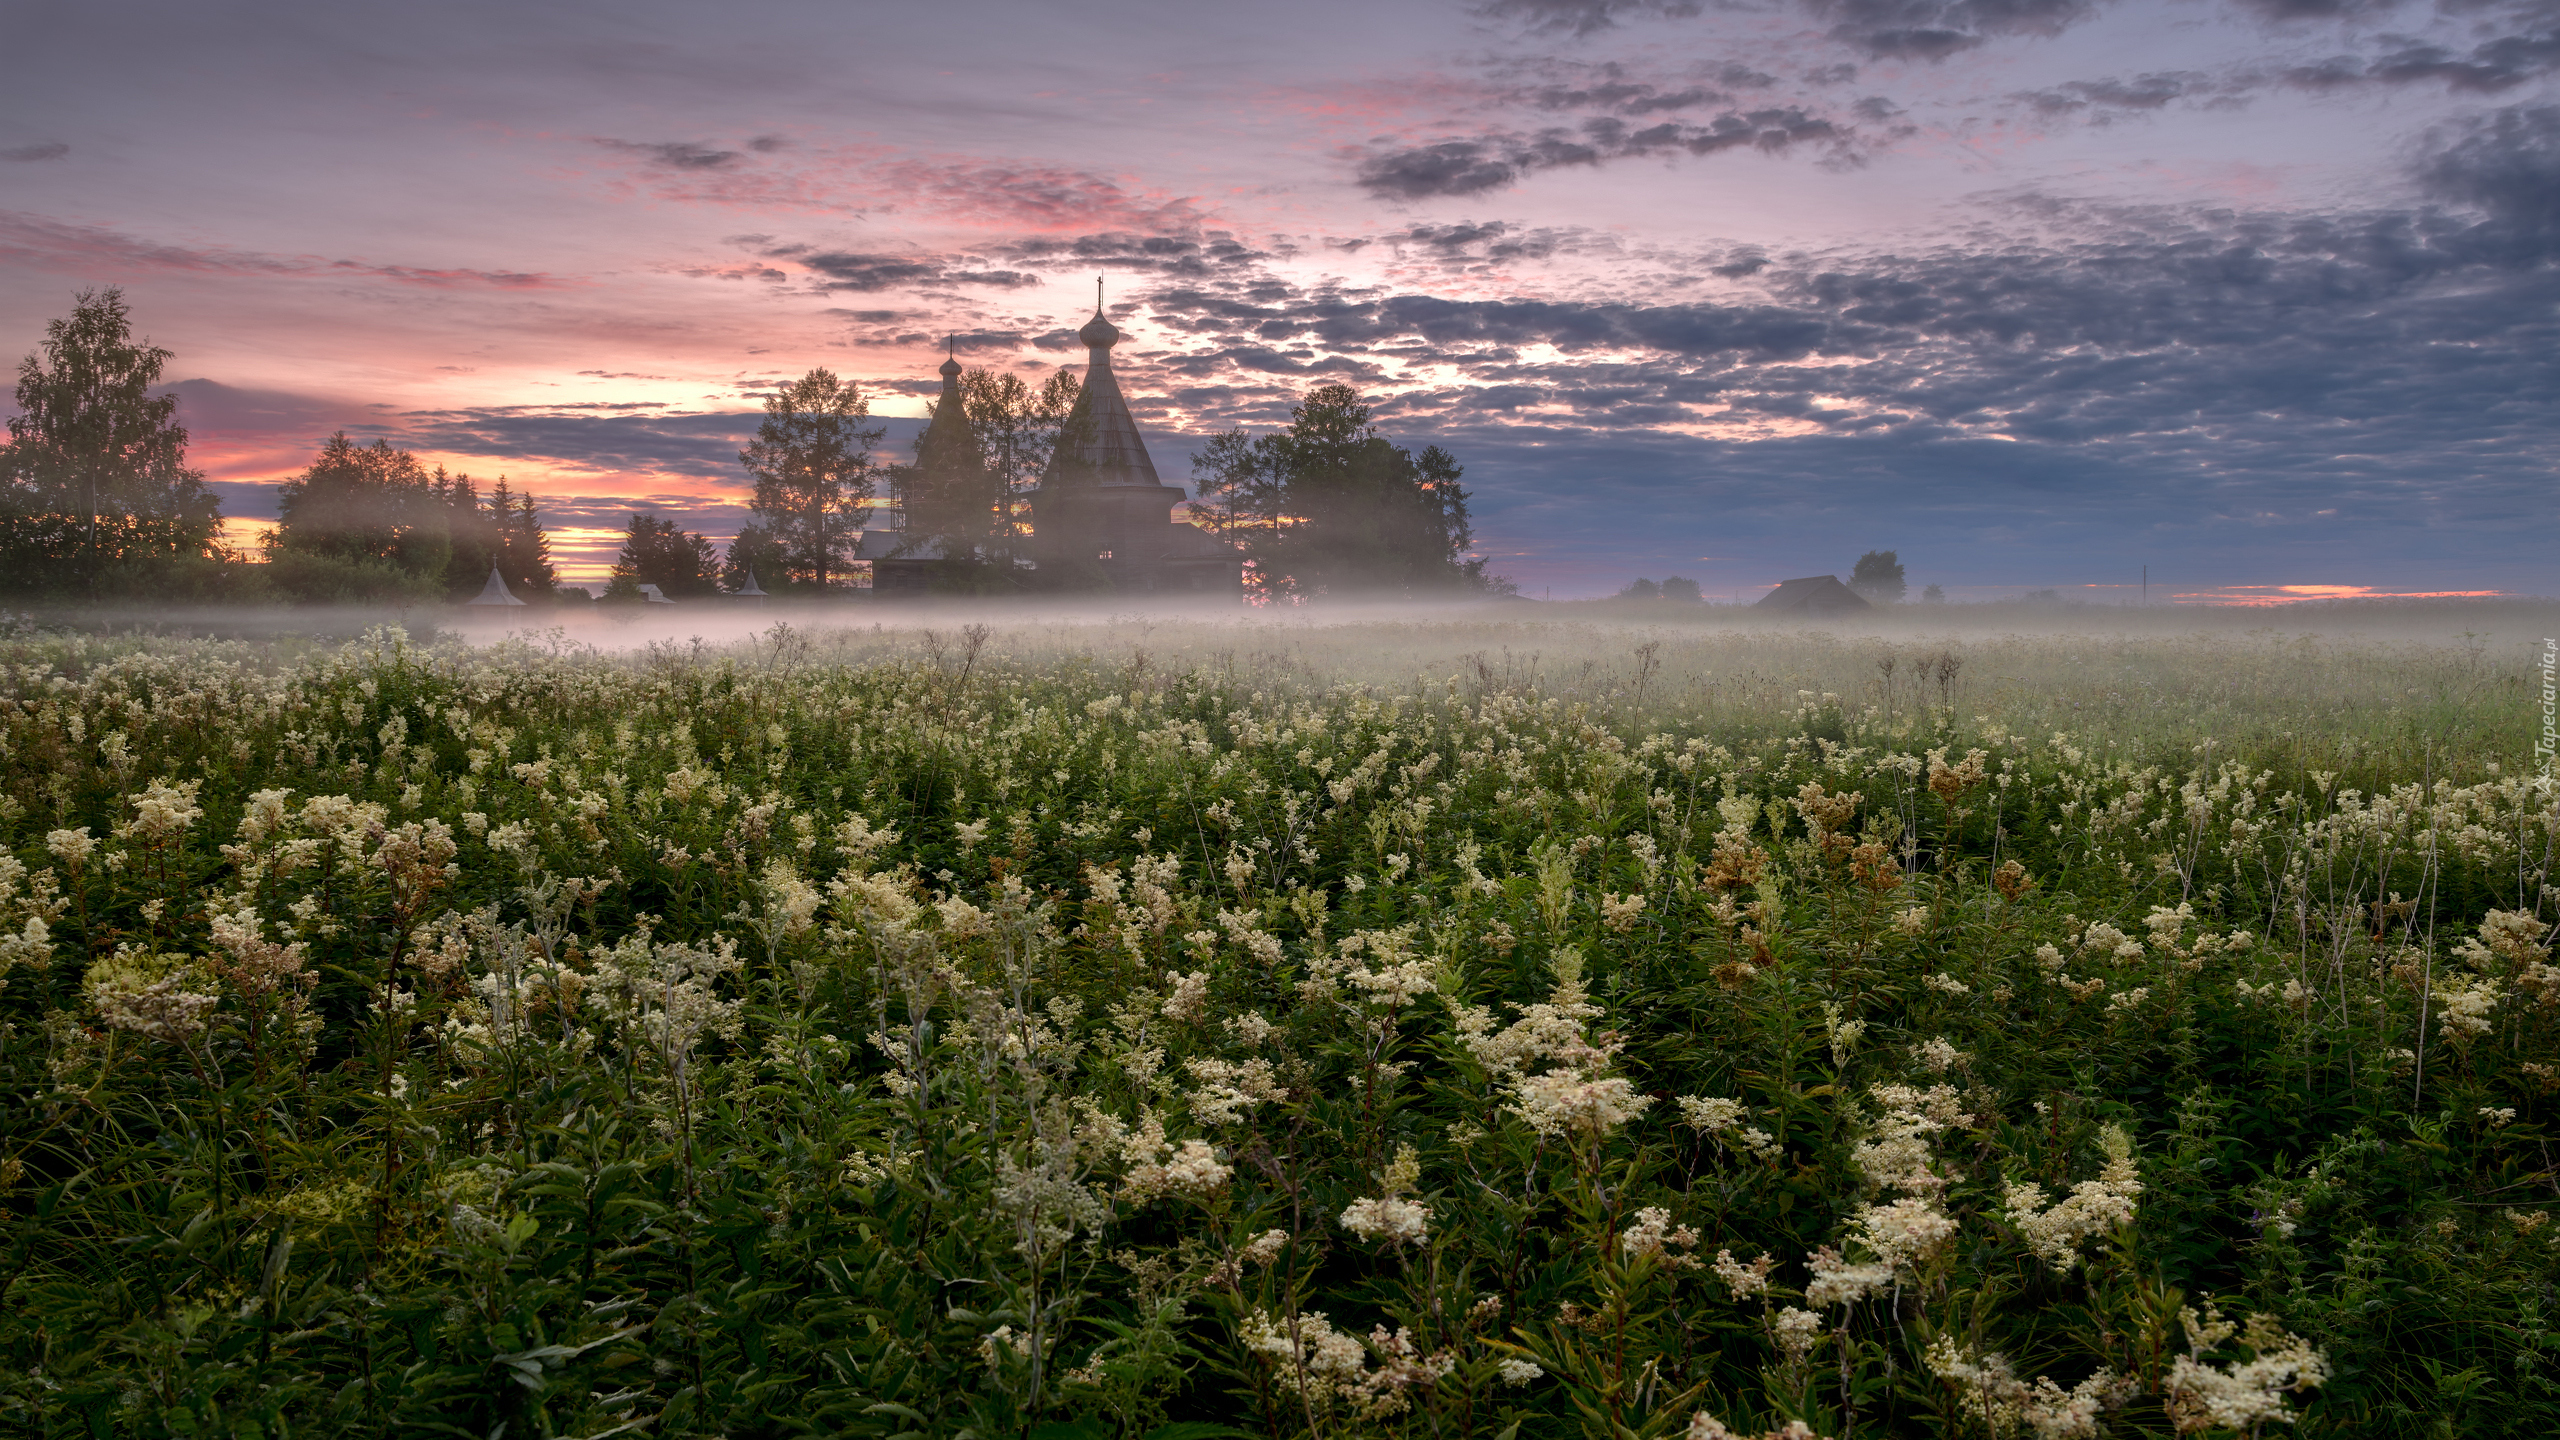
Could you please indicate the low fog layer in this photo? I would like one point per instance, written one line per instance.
(2448, 676)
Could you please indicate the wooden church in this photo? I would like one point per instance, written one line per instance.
(1101, 520)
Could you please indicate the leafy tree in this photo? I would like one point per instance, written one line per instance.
(659, 552)
(369, 522)
(1682, 589)
(1329, 506)
(1878, 577)
(1018, 426)
(1641, 589)
(1933, 596)
(94, 477)
(812, 464)
(361, 522)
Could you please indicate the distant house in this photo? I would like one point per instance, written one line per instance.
(900, 565)
(1812, 595)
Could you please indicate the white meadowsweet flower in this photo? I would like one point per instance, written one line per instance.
(2092, 1208)
(155, 996)
(1710, 1113)
(1837, 1282)
(1571, 1102)
(2242, 1394)
(1196, 1170)
(1654, 1237)
(1264, 1248)
(1190, 997)
(1993, 1393)
(1798, 1331)
(1388, 1218)
(1905, 1232)
(1740, 1280)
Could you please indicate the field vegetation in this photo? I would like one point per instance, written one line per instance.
(1449, 1028)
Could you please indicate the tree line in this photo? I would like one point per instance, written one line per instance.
(97, 501)
(1877, 578)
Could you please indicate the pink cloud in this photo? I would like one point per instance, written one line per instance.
(61, 245)
(992, 193)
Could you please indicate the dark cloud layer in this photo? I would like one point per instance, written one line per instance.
(1936, 29)
(860, 272)
(1879, 29)
(644, 441)
(640, 440)
(2488, 68)
(1476, 164)
(2506, 166)
(2190, 373)
(676, 154)
(1583, 17)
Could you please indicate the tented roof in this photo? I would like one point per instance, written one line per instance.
(1100, 444)
(495, 592)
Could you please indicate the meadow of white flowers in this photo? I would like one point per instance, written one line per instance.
(1181, 1031)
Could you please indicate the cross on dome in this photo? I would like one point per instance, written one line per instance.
(1098, 333)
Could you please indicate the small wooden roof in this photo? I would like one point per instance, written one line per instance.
(495, 592)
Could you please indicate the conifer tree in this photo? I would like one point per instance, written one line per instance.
(658, 551)
(523, 545)
(754, 553)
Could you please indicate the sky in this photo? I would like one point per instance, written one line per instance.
(2258, 297)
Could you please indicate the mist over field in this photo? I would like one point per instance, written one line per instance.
(1338, 1023)
(1461, 720)
(2464, 671)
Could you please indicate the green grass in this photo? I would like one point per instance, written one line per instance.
(875, 1032)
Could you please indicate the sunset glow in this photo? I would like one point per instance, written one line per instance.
(2297, 594)
(2244, 289)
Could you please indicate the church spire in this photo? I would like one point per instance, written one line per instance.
(1100, 445)
(949, 459)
